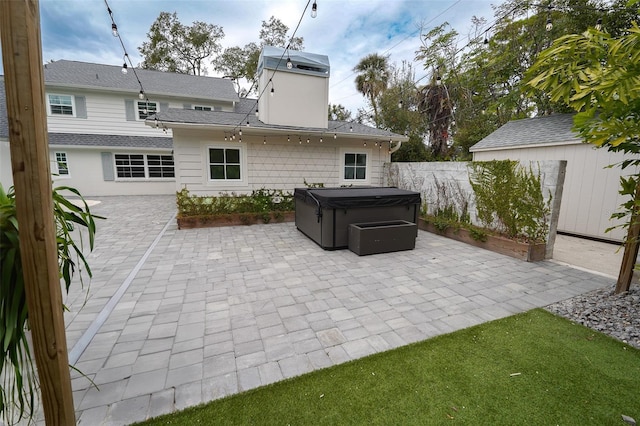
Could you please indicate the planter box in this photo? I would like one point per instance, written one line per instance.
(519, 250)
(235, 219)
(382, 237)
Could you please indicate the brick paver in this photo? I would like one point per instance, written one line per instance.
(215, 311)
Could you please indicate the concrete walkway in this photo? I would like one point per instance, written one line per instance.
(206, 313)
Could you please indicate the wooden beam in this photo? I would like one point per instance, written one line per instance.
(23, 69)
(631, 246)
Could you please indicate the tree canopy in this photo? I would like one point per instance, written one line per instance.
(241, 63)
(175, 47)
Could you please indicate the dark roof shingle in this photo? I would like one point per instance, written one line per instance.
(155, 83)
(547, 130)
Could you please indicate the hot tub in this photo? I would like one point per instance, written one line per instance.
(324, 214)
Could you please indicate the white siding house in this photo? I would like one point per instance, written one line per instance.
(280, 140)
(98, 141)
(590, 193)
(108, 138)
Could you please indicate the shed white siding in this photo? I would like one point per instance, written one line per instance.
(590, 193)
(276, 164)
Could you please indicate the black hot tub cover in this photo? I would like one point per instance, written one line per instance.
(357, 197)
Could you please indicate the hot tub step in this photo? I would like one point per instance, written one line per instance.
(382, 237)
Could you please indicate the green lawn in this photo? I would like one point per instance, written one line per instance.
(534, 368)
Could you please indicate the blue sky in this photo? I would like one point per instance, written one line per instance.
(344, 30)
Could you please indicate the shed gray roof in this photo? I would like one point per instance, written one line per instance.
(547, 130)
(245, 111)
(108, 77)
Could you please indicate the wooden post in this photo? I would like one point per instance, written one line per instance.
(631, 246)
(23, 69)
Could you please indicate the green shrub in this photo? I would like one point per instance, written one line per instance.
(509, 199)
(259, 202)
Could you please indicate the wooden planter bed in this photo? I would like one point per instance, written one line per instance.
(234, 219)
(520, 250)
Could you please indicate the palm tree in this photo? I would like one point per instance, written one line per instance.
(372, 79)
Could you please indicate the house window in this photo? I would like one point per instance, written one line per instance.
(202, 108)
(63, 165)
(139, 166)
(355, 166)
(224, 164)
(160, 166)
(145, 109)
(130, 166)
(61, 105)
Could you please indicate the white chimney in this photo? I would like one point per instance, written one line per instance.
(296, 96)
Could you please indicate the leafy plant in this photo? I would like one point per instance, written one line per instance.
(260, 201)
(19, 381)
(509, 200)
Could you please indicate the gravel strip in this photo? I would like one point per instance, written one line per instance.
(616, 315)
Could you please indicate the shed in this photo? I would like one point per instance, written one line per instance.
(590, 193)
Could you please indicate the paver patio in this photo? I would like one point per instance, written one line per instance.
(215, 311)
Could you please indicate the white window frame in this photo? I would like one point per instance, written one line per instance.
(73, 105)
(145, 166)
(139, 111)
(368, 168)
(57, 161)
(162, 166)
(244, 171)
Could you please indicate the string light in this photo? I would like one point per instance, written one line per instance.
(264, 141)
(289, 63)
(549, 25)
(247, 123)
(351, 128)
(599, 24)
(124, 68)
(141, 95)
(335, 136)
(314, 9)
(299, 140)
(400, 104)
(114, 29)
(320, 139)
(240, 132)
(307, 140)
(288, 138)
(256, 112)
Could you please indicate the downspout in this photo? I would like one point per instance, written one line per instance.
(395, 148)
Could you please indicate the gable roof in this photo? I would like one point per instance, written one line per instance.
(75, 74)
(548, 130)
(245, 111)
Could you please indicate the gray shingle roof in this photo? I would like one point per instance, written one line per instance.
(245, 111)
(75, 139)
(83, 74)
(547, 130)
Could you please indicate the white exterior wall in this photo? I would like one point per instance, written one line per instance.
(86, 174)
(590, 193)
(105, 115)
(298, 100)
(278, 164)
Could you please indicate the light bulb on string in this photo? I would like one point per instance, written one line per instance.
(549, 25)
(289, 63)
(320, 140)
(256, 112)
(335, 136)
(240, 132)
(351, 128)
(288, 138)
(314, 9)
(299, 140)
(400, 104)
(124, 69)
(599, 24)
(307, 140)
(264, 141)
(114, 30)
(141, 95)
(225, 137)
(247, 123)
